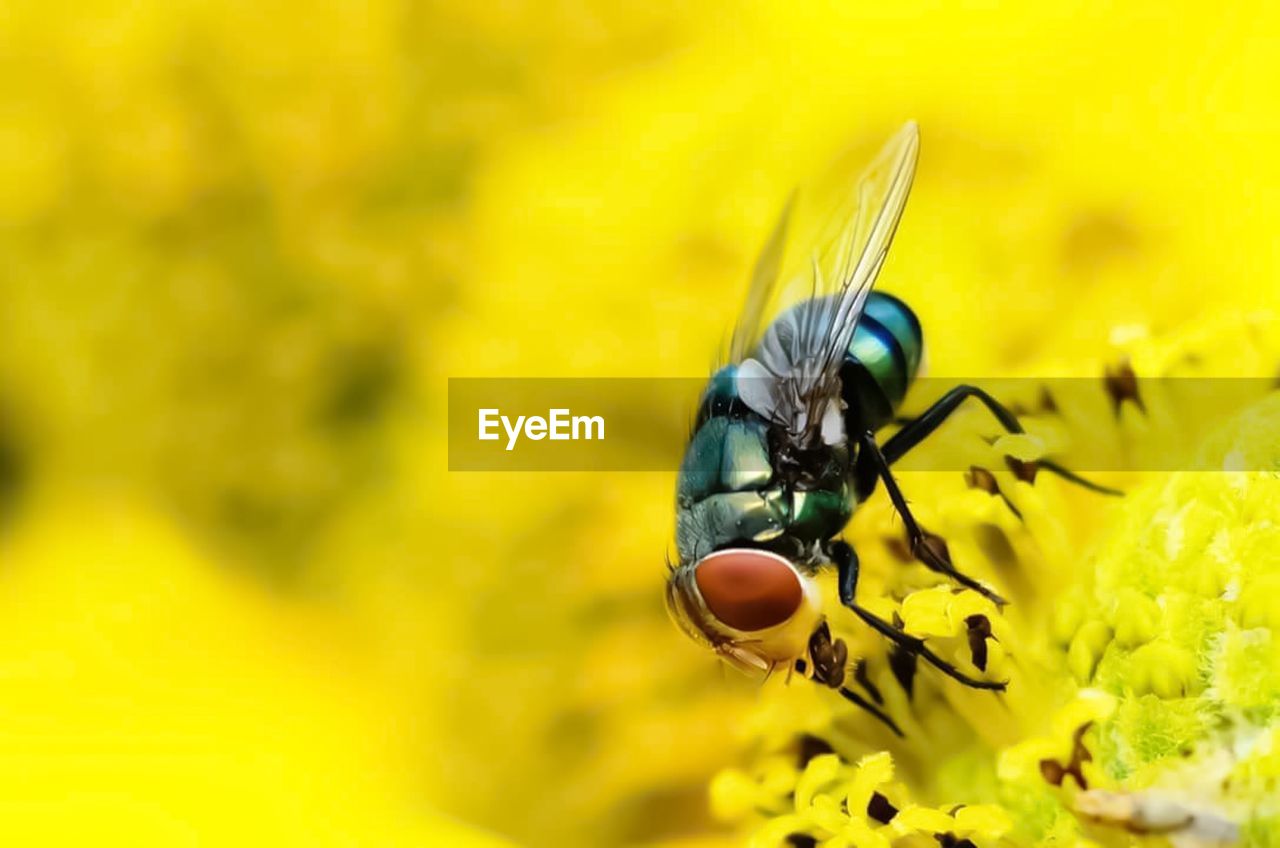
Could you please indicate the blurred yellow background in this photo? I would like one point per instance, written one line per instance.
(244, 244)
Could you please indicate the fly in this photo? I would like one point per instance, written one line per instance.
(784, 448)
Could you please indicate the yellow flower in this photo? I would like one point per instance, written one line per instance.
(1142, 693)
(244, 244)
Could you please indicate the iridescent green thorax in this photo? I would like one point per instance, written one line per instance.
(729, 493)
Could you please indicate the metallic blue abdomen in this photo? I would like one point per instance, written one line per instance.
(884, 358)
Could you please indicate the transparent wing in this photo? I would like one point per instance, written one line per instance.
(760, 293)
(789, 370)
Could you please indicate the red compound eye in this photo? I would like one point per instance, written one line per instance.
(748, 589)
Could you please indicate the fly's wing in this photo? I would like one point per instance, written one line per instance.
(789, 371)
(763, 289)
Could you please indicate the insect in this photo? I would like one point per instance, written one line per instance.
(784, 447)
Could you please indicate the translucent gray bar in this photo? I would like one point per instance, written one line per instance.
(1088, 424)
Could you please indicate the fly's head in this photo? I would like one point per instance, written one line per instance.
(754, 608)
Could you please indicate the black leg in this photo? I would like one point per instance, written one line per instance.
(858, 700)
(920, 428)
(830, 660)
(927, 547)
(846, 561)
(1072, 477)
(847, 567)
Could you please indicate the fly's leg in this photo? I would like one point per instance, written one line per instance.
(846, 560)
(918, 429)
(929, 548)
(859, 701)
(830, 658)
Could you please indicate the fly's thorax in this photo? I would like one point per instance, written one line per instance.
(725, 454)
(756, 609)
(720, 397)
(742, 485)
(786, 522)
(723, 491)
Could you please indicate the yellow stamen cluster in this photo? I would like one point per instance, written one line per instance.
(848, 805)
(1144, 675)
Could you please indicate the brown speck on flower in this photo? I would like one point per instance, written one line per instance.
(981, 478)
(1121, 383)
(899, 549)
(949, 840)
(996, 545)
(812, 746)
(1024, 471)
(1055, 772)
(903, 665)
(881, 809)
(979, 631)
